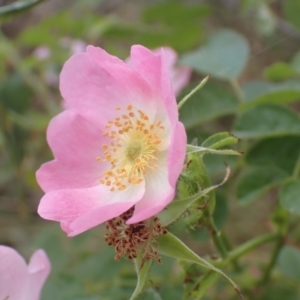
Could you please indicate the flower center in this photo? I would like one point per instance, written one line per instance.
(132, 150)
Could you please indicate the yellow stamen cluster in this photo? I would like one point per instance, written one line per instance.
(132, 150)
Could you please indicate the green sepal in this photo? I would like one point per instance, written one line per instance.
(142, 269)
(215, 142)
(192, 92)
(171, 246)
(204, 150)
(220, 140)
(178, 207)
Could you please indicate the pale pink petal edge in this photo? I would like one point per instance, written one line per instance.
(39, 268)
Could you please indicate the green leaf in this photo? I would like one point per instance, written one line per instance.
(9, 11)
(142, 270)
(289, 262)
(267, 120)
(224, 56)
(259, 92)
(279, 71)
(209, 103)
(170, 245)
(289, 196)
(291, 10)
(220, 140)
(257, 181)
(285, 157)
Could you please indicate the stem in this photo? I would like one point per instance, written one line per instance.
(216, 236)
(248, 246)
(266, 275)
(210, 277)
(228, 246)
(237, 90)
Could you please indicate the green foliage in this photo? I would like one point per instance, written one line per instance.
(267, 120)
(209, 103)
(289, 262)
(257, 181)
(279, 71)
(163, 24)
(291, 9)
(285, 156)
(224, 56)
(259, 92)
(290, 197)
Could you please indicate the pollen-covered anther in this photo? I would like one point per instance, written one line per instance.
(132, 150)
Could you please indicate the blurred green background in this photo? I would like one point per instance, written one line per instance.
(250, 50)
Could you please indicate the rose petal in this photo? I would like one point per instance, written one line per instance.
(39, 268)
(80, 210)
(95, 88)
(101, 56)
(76, 143)
(177, 153)
(180, 76)
(154, 68)
(13, 275)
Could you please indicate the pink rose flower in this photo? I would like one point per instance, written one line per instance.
(19, 281)
(119, 144)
